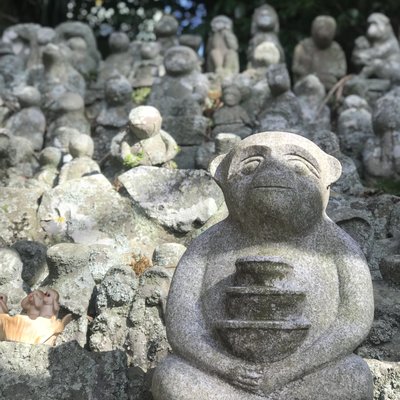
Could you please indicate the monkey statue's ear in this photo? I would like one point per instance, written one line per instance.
(214, 168)
(335, 170)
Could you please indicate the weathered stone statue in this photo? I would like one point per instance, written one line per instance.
(114, 114)
(264, 28)
(378, 54)
(30, 121)
(50, 159)
(76, 29)
(232, 117)
(143, 142)
(180, 96)
(381, 157)
(270, 302)
(320, 54)
(281, 110)
(149, 67)
(120, 59)
(311, 93)
(81, 149)
(59, 73)
(354, 127)
(222, 47)
(69, 111)
(11, 67)
(166, 31)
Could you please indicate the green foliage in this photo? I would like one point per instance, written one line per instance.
(140, 95)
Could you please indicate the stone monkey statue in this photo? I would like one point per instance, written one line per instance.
(222, 47)
(32, 304)
(378, 54)
(51, 305)
(276, 187)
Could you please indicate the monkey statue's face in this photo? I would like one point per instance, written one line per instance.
(266, 20)
(277, 181)
(220, 23)
(32, 303)
(379, 27)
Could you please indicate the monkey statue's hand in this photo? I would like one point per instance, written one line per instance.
(248, 377)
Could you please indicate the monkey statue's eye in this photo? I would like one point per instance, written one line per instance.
(302, 167)
(250, 165)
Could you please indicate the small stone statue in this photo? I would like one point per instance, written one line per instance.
(119, 60)
(75, 29)
(81, 149)
(354, 127)
(311, 93)
(271, 302)
(381, 157)
(69, 111)
(149, 67)
(282, 109)
(50, 160)
(58, 72)
(222, 48)
(264, 28)
(51, 304)
(320, 54)
(114, 114)
(232, 117)
(33, 303)
(180, 96)
(11, 67)
(30, 121)
(378, 54)
(144, 142)
(166, 30)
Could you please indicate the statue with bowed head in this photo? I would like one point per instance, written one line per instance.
(271, 302)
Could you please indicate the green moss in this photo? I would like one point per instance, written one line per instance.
(133, 160)
(5, 208)
(140, 95)
(389, 186)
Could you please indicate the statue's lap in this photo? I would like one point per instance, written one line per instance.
(346, 379)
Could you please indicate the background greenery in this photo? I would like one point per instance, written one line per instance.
(136, 17)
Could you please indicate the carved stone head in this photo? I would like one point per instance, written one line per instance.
(278, 180)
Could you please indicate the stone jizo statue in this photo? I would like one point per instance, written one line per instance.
(320, 54)
(271, 302)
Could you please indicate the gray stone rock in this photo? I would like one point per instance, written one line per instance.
(33, 256)
(179, 200)
(11, 283)
(390, 268)
(18, 215)
(167, 255)
(65, 372)
(70, 276)
(230, 339)
(86, 210)
(386, 379)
